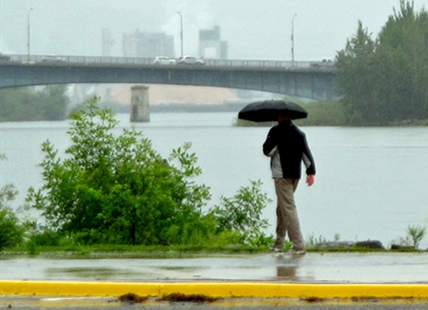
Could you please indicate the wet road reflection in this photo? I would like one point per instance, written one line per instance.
(287, 268)
(312, 267)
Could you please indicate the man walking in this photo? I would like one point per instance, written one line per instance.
(287, 146)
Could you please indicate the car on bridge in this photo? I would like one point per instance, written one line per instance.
(190, 60)
(325, 63)
(52, 58)
(163, 60)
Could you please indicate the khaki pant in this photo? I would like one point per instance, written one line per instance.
(287, 219)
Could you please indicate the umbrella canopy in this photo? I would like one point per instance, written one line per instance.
(265, 111)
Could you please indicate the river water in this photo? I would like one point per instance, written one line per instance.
(370, 182)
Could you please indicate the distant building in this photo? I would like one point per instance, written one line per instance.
(210, 45)
(148, 44)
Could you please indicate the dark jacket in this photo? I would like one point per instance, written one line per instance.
(292, 147)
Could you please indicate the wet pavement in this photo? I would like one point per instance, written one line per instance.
(342, 268)
(264, 280)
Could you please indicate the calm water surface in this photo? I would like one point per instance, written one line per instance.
(370, 184)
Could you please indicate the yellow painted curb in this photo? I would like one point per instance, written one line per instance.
(215, 289)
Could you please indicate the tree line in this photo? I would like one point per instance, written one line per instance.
(27, 104)
(384, 80)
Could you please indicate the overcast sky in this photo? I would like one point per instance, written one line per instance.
(254, 29)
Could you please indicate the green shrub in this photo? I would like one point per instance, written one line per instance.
(242, 214)
(46, 238)
(228, 237)
(11, 231)
(416, 234)
(113, 188)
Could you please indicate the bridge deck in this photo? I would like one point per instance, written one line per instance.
(283, 77)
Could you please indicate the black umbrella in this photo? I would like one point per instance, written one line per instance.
(265, 111)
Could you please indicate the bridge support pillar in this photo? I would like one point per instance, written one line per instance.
(140, 109)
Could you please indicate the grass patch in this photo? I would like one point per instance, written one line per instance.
(165, 252)
(130, 251)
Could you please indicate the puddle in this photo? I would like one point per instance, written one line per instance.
(177, 268)
(101, 273)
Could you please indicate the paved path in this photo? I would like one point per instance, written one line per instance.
(280, 268)
(312, 276)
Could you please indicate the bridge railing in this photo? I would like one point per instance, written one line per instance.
(257, 63)
(80, 59)
(110, 60)
(149, 61)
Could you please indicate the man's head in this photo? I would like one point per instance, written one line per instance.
(282, 117)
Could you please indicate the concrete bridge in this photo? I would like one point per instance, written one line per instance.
(301, 79)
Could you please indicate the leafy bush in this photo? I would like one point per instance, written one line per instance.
(242, 214)
(416, 234)
(117, 189)
(11, 232)
(46, 237)
(412, 239)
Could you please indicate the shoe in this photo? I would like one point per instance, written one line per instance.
(275, 249)
(296, 252)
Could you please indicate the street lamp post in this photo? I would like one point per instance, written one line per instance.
(292, 38)
(28, 33)
(181, 33)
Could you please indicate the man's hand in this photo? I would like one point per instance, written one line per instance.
(310, 179)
